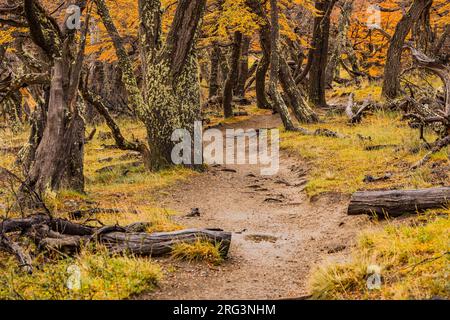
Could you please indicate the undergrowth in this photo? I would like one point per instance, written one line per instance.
(341, 164)
(412, 261)
(88, 276)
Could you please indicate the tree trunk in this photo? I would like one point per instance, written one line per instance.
(295, 97)
(58, 160)
(60, 147)
(279, 104)
(319, 54)
(170, 97)
(171, 83)
(260, 79)
(243, 67)
(135, 99)
(38, 120)
(263, 66)
(398, 202)
(232, 76)
(422, 33)
(391, 82)
(344, 23)
(214, 71)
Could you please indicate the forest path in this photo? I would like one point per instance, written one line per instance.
(278, 234)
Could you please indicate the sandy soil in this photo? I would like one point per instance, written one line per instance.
(278, 233)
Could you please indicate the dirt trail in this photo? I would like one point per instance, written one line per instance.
(278, 234)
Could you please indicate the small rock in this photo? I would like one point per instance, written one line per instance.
(336, 248)
(195, 212)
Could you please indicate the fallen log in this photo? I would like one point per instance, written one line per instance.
(161, 243)
(397, 202)
(63, 236)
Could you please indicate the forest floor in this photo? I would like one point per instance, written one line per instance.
(278, 233)
(291, 236)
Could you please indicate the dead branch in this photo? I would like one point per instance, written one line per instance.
(65, 237)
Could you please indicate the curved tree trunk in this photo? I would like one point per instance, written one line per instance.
(297, 101)
(391, 82)
(264, 64)
(279, 104)
(260, 81)
(422, 32)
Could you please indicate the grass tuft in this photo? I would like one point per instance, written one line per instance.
(198, 251)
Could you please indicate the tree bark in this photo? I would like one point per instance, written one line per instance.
(232, 78)
(243, 67)
(319, 53)
(135, 99)
(171, 84)
(341, 39)
(279, 104)
(214, 71)
(58, 160)
(398, 202)
(422, 33)
(263, 65)
(296, 99)
(60, 145)
(170, 97)
(391, 82)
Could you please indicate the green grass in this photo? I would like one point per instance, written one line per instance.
(412, 259)
(102, 277)
(340, 165)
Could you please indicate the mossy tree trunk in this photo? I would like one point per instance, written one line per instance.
(170, 95)
(171, 82)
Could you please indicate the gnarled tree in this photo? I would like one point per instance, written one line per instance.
(392, 69)
(170, 95)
